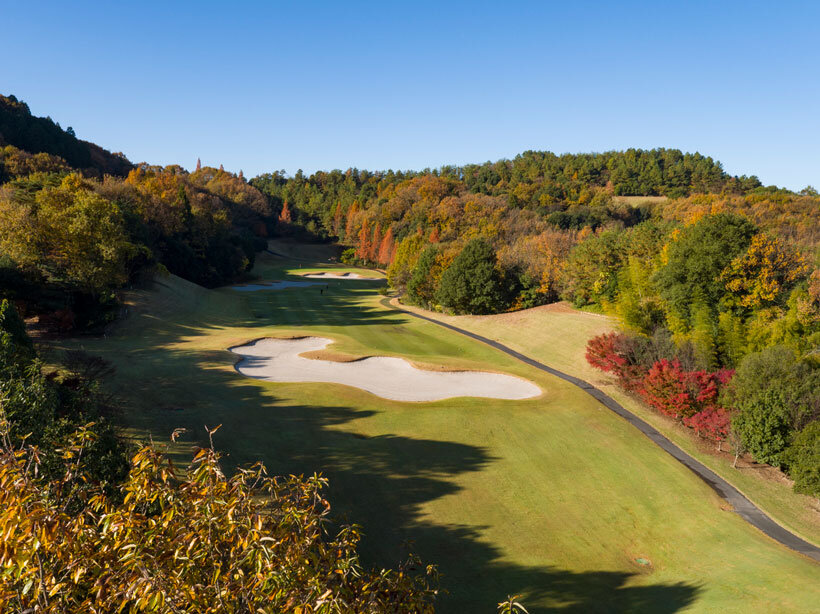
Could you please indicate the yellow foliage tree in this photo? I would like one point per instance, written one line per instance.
(199, 543)
(69, 233)
(759, 276)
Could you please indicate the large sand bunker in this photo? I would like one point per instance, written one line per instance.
(279, 360)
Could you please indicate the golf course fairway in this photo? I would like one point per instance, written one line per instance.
(552, 498)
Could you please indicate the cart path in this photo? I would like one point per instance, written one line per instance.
(742, 506)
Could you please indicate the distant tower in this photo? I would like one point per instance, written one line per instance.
(222, 168)
(241, 175)
(198, 164)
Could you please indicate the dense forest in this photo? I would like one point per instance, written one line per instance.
(714, 278)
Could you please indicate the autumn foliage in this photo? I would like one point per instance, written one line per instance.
(691, 396)
(609, 352)
(285, 216)
(759, 276)
(199, 542)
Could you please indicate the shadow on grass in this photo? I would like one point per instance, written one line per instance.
(337, 303)
(379, 482)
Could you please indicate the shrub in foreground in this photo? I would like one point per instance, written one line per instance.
(199, 543)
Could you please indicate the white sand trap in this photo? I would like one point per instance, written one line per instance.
(279, 360)
(339, 276)
(275, 285)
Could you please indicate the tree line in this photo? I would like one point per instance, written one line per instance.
(18, 127)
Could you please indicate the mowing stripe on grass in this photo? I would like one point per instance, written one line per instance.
(742, 506)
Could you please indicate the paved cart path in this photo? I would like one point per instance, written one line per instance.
(742, 506)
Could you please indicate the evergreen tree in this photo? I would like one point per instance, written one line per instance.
(472, 283)
(803, 460)
(762, 423)
(421, 288)
(696, 258)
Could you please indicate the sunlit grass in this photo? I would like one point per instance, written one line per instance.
(553, 499)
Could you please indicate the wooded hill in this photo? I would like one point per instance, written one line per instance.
(41, 135)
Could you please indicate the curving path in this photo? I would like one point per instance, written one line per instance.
(744, 508)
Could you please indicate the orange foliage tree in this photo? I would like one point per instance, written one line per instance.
(350, 222)
(375, 243)
(387, 248)
(363, 249)
(285, 216)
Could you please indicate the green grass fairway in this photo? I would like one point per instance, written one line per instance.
(557, 335)
(552, 498)
(318, 252)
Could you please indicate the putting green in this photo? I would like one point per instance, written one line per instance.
(553, 498)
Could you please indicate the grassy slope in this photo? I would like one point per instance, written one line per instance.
(553, 498)
(557, 335)
(640, 200)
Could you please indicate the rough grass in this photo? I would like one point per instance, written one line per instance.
(553, 498)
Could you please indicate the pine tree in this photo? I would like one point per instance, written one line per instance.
(337, 219)
(472, 284)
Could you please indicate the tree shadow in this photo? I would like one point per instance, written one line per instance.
(380, 482)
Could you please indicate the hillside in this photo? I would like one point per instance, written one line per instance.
(19, 128)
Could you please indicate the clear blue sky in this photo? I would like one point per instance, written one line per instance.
(269, 85)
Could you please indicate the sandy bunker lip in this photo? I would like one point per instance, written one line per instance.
(279, 360)
(340, 276)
